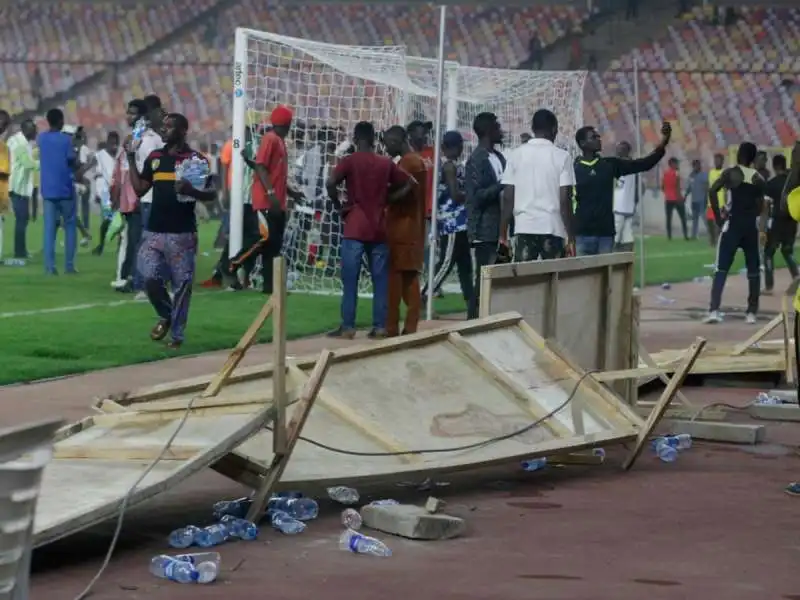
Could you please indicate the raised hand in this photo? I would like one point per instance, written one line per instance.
(666, 133)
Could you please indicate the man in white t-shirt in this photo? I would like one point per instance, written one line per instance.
(626, 198)
(538, 180)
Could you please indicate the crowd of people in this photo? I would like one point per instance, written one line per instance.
(379, 188)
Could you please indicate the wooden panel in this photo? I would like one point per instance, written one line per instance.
(584, 303)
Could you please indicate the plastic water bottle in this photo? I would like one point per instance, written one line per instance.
(599, 452)
(303, 509)
(665, 451)
(387, 502)
(534, 464)
(240, 528)
(213, 535)
(183, 571)
(183, 537)
(343, 495)
(351, 519)
(682, 441)
(235, 508)
(285, 523)
(205, 563)
(766, 400)
(666, 285)
(362, 544)
(138, 129)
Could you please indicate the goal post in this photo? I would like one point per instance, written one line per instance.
(332, 87)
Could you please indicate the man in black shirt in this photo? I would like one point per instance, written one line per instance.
(781, 228)
(169, 243)
(742, 225)
(595, 176)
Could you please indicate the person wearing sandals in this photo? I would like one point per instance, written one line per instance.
(169, 243)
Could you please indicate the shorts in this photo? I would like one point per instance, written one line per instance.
(623, 225)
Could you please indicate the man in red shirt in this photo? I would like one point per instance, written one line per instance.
(371, 182)
(270, 194)
(673, 198)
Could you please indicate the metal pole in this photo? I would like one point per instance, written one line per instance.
(437, 150)
(639, 186)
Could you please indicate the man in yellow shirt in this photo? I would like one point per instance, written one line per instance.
(5, 173)
(713, 175)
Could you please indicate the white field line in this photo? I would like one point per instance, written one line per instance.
(118, 303)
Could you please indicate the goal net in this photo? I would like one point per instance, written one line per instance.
(331, 88)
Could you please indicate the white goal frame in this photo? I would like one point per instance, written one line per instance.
(447, 84)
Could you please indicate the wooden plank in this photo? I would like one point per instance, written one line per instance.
(551, 308)
(690, 414)
(239, 351)
(759, 335)
(731, 433)
(662, 377)
(664, 401)
(136, 419)
(279, 353)
(612, 376)
(561, 265)
(604, 352)
(122, 453)
(295, 427)
(359, 423)
(789, 353)
(525, 400)
(260, 396)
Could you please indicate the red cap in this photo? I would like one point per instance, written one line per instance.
(281, 116)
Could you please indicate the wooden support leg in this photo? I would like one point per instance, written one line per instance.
(237, 354)
(648, 360)
(757, 336)
(279, 353)
(663, 403)
(788, 341)
(295, 427)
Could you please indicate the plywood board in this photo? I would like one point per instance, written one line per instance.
(94, 466)
(583, 303)
(431, 391)
(720, 360)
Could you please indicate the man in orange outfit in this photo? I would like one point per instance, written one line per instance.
(405, 225)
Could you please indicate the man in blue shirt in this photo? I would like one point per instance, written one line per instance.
(57, 161)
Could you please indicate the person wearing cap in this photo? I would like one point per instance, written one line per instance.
(482, 181)
(538, 181)
(270, 194)
(451, 216)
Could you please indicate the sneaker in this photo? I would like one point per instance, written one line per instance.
(713, 317)
(793, 489)
(140, 296)
(344, 333)
(377, 334)
(119, 283)
(766, 292)
(85, 242)
(750, 319)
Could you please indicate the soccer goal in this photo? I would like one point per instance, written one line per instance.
(331, 88)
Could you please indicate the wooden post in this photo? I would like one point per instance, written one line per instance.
(279, 353)
(292, 433)
(663, 403)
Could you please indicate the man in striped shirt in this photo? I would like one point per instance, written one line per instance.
(20, 186)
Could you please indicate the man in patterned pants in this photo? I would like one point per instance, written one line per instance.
(169, 243)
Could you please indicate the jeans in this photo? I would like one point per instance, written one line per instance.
(532, 246)
(698, 212)
(731, 239)
(353, 252)
(21, 206)
(63, 209)
(591, 245)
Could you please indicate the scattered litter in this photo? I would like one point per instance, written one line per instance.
(240, 528)
(434, 505)
(534, 464)
(668, 447)
(285, 523)
(664, 300)
(666, 285)
(186, 568)
(343, 495)
(351, 519)
(764, 399)
(635, 288)
(711, 266)
(600, 452)
(386, 502)
(213, 535)
(234, 508)
(353, 541)
(302, 509)
(183, 537)
(702, 279)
